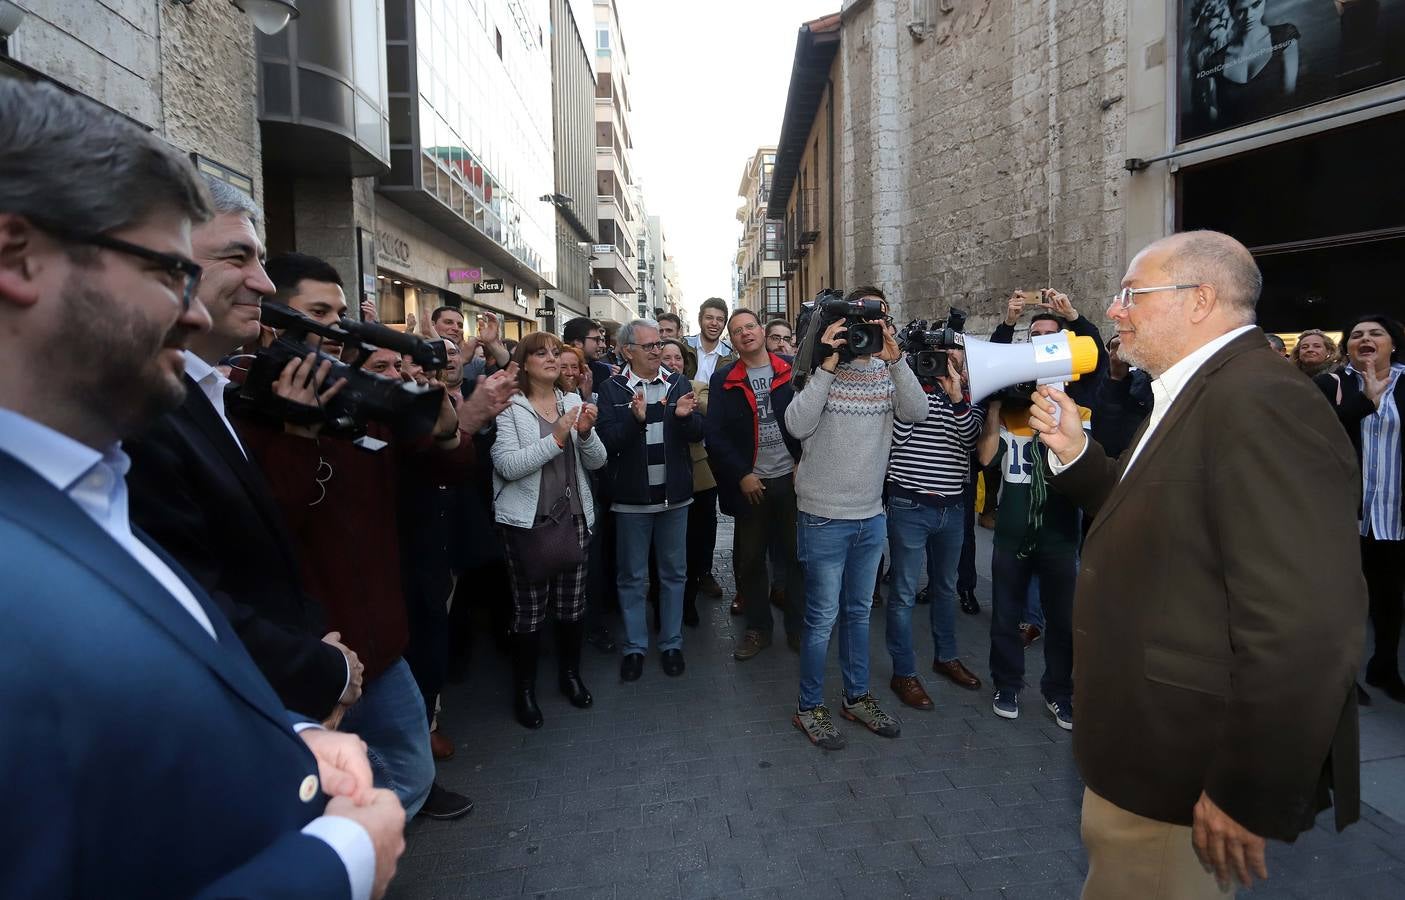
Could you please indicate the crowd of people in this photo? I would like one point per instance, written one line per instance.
(249, 604)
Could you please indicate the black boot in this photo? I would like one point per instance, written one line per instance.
(690, 603)
(569, 636)
(524, 679)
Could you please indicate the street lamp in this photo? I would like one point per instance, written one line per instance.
(269, 16)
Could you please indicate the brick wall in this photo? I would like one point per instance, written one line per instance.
(978, 154)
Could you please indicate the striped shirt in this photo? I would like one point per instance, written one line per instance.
(1381, 465)
(655, 392)
(934, 457)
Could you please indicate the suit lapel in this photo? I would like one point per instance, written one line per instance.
(35, 504)
(201, 413)
(1180, 410)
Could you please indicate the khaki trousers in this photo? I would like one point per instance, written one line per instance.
(1130, 856)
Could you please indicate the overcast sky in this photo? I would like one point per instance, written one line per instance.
(709, 83)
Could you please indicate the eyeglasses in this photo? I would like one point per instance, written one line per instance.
(649, 348)
(183, 274)
(1124, 296)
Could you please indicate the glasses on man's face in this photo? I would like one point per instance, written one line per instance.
(649, 348)
(182, 275)
(1124, 300)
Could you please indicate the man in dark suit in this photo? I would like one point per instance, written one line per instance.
(1218, 618)
(195, 491)
(147, 755)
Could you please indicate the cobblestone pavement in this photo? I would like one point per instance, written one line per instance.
(699, 786)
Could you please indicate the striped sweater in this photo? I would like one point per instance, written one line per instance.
(934, 456)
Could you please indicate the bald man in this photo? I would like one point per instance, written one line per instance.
(1218, 621)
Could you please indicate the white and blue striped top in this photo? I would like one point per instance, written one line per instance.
(1381, 466)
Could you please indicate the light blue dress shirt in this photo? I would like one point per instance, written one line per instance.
(96, 482)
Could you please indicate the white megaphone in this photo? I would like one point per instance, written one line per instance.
(1046, 359)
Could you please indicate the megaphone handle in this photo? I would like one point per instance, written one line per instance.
(1058, 409)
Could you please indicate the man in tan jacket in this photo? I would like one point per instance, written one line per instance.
(1218, 622)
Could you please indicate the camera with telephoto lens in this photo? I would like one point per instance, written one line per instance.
(410, 409)
(926, 345)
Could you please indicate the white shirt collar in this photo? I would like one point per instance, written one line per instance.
(634, 380)
(1169, 385)
(57, 458)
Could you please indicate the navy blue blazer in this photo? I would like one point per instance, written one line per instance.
(141, 758)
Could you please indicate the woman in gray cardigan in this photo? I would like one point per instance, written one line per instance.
(545, 443)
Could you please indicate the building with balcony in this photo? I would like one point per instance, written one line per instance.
(803, 196)
(573, 115)
(643, 257)
(760, 249)
(468, 201)
(615, 269)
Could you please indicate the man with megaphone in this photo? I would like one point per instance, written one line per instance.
(1219, 618)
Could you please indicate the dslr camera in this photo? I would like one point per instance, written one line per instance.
(862, 337)
(926, 345)
(410, 409)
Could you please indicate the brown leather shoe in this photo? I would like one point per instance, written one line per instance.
(910, 691)
(440, 746)
(958, 673)
(778, 598)
(1030, 633)
(737, 605)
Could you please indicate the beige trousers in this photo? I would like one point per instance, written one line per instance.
(1130, 856)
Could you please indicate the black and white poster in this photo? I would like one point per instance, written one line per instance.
(1244, 60)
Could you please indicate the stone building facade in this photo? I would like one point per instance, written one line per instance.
(185, 72)
(983, 143)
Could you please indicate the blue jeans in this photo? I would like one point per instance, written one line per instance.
(1011, 576)
(668, 533)
(1033, 608)
(841, 562)
(921, 536)
(390, 718)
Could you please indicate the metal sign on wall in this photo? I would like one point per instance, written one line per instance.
(392, 248)
(489, 286)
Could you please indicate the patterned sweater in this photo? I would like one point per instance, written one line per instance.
(844, 422)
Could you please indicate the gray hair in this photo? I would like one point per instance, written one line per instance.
(626, 334)
(1210, 257)
(226, 198)
(66, 162)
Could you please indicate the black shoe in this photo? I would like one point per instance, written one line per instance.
(599, 638)
(969, 604)
(569, 636)
(445, 804)
(524, 679)
(709, 586)
(924, 596)
(672, 662)
(690, 613)
(1362, 698)
(631, 667)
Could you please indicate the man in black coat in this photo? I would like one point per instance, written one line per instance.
(194, 490)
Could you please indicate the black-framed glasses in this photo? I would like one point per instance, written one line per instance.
(184, 274)
(649, 348)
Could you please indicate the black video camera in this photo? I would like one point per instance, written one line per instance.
(862, 337)
(926, 346)
(411, 410)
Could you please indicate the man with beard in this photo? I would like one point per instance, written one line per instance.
(149, 756)
(1215, 689)
(191, 463)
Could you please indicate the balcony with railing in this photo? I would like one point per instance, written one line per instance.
(807, 215)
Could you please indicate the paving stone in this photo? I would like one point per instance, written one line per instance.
(700, 787)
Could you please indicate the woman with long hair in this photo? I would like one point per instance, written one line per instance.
(545, 444)
(1369, 397)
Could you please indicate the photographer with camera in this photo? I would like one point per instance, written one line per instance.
(927, 480)
(1055, 313)
(1037, 533)
(843, 418)
(340, 494)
